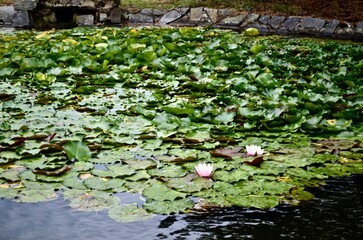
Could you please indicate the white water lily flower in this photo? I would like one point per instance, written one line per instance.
(253, 150)
(204, 170)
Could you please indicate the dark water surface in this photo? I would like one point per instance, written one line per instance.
(336, 213)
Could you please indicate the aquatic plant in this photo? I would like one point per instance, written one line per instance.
(87, 114)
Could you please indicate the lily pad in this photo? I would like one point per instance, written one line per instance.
(88, 200)
(160, 192)
(129, 213)
(168, 207)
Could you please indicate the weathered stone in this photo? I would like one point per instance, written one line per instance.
(74, 3)
(183, 10)
(25, 5)
(183, 21)
(358, 35)
(250, 18)
(276, 21)
(109, 5)
(233, 21)
(22, 19)
(310, 26)
(330, 28)
(212, 13)
(196, 14)
(264, 19)
(141, 18)
(226, 12)
(85, 20)
(290, 23)
(6, 15)
(344, 31)
(170, 17)
(88, 4)
(359, 28)
(102, 17)
(115, 15)
(159, 13)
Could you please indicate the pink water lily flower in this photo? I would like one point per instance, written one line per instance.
(204, 170)
(253, 150)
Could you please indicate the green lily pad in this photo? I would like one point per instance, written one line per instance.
(78, 150)
(160, 192)
(129, 213)
(168, 207)
(88, 200)
(256, 201)
(168, 171)
(36, 195)
(189, 184)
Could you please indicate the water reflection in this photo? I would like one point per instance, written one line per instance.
(336, 213)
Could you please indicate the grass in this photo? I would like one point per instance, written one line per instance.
(5, 2)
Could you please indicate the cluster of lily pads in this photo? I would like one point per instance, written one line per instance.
(188, 118)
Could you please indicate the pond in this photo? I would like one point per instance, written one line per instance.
(336, 213)
(178, 133)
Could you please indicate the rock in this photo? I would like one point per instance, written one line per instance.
(250, 18)
(264, 19)
(6, 15)
(358, 35)
(196, 14)
(183, 10)
(233, 21)
(85, 20)
(330, 28)
(22, 19)
(170, 17)
(276, 21)
(25, 5)
(103, 17)
(311, 26)
(158, 14)
(289, 25)
(88, 4)
(212, 14)
(115, 15)
(144, 16)
(344, 31)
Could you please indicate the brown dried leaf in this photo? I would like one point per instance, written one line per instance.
(228, 153)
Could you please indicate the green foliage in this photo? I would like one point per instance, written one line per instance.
(89, 113)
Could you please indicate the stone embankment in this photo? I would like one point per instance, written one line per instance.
(53, 13)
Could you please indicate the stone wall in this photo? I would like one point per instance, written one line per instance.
(232, 19)
(54, 13)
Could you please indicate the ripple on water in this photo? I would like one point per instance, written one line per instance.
(336, 213)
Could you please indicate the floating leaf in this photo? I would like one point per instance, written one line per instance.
(168, 207)
(87, 200)
(78, 150)
(189, 184)
(228, 153)
(158, 191)
(129, 213)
